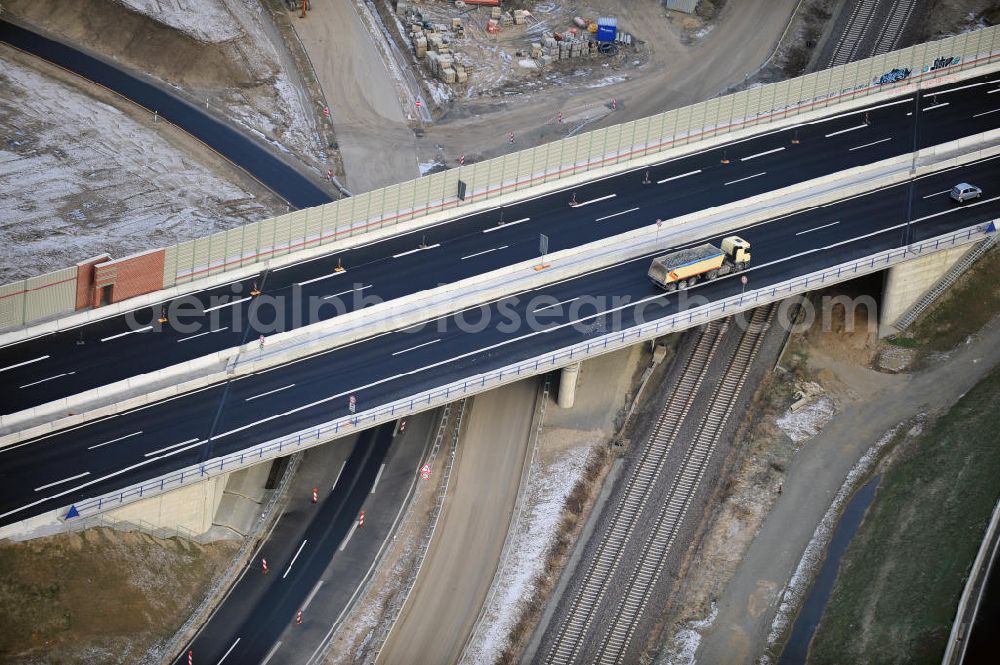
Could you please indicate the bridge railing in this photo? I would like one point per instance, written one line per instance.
(614, 146)
(425, 400)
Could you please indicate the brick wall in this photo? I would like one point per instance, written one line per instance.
(85, 280)
(129, 277)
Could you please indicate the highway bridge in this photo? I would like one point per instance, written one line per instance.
(378, 377)
(53, 366)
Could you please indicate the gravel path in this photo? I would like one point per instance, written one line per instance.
(747, 607)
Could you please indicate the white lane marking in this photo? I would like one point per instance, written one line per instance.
(311, 595)
(990, 92)
(677, 177)
(270, 392)
(935, 194)
(84, 485)
(937, 106)
(150, 454)
(503, 226)
(225, 304)
(855, 113)
(495, 249)
(986, 113)
(337, 477)
(868, 145)
(825, 226)
(597, 200)
(555, 304)
(64, 480)
(965, 206)
(121, 438)
(57, 376)
(344, 293)
(962, 87)
(749, 177)
(761, 154)
(377, 476)
(26, 362)
(225, 655)
(844, 131)
(414, 251)
(294, 558)
(320, 278)
(617, 214)
(270, 654)
(207, 332)
(129, 332)
(347, 538)
(433, 341)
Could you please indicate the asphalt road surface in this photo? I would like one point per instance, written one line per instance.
(57, 365)
(102, 455)
(245, 152)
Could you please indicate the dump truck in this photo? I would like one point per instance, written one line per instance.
(685, 267)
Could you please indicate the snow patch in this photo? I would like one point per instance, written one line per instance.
(685, 642)
(806, 423)
(548, 487)
(794, 594)
(205, 21)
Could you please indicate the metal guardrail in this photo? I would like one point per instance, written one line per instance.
(615, 146)
(463, 388)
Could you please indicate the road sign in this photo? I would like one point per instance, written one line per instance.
(352, 404)
(743, 279)
(425, 472)
(326, 111)
(418, 103)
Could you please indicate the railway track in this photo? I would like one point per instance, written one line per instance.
(657, 546)
(575, 628)
(859, 28)
(892, 29)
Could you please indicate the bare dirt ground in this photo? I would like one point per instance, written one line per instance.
(782, 482)
(376, 144)
(674, 74)
(458, 568)
(82, 172)
(99, 596)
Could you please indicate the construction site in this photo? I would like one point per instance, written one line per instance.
(788, 460)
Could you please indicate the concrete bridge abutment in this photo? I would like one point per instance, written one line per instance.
(907, 282)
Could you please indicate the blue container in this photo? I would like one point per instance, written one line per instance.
(607, 29)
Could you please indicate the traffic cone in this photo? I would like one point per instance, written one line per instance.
(340, 267)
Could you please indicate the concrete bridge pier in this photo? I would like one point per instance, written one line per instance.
(907, 282)
(567, 385)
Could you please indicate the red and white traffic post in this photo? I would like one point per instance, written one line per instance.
(614, 104)
(315, 494)
(298, 618)
(190, 656)
(263, 566)
(511, 137)
(361, 520)
(461, 160)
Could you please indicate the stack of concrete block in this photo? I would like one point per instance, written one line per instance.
(536, 50)
(506, 20)
(461, 74)
(495, 13)
(520, 17)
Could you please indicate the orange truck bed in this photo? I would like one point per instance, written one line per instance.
(686, 263)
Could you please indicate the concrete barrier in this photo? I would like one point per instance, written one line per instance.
(317, 435)
(562, 183)
(430, 304)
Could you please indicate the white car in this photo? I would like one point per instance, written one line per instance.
(963, 191)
